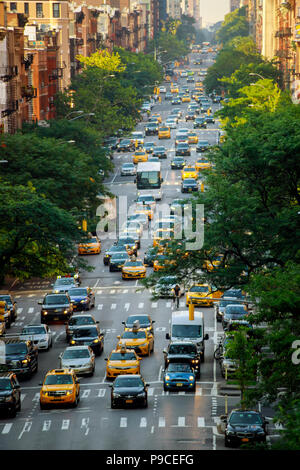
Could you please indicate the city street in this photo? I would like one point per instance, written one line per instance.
(182, 420)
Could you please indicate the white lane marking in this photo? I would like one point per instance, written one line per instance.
(123, 422)
(101, 392)
(198, 392)
(125, 291)
(181, 422)
(161, 422)
(30, 295)
(154, 305)
(19, 310)
(141, 305)
(36, 397)
(96, 284)
(26, 428)
(30, 310)
(85, 393)
(112, 291)
(160, 328)
(99, 292)
(65, 424)
(100, 306)
(200, 422)
(181, 393)
(150, 392)
(143, 423)
(113, 306)
(58, 336)
(46, 425)
(126, 306)
(7, 428)
(84, 424)
(23, 395)
(168, 304)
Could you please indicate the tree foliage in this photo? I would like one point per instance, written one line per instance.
(235, 24)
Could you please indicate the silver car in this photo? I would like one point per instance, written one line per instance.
(64, 284)
(79, 358)
(41, 335)
(128, 169)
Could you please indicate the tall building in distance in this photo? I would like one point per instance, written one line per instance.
(234, 4)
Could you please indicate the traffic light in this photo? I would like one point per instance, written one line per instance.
(84, 225)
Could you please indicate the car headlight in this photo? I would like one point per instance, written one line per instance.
(66, 311)
(167, 377)
(195, 361)
(25, 362)
(68, 392)
(230, 433)
(73, 342)
(116, 395)
(191, 377)
(96, 340)
(143, 345)
(8, 399)
(44, 312)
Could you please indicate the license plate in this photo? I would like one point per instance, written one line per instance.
(129, 401)
(55, 318)
(245, 439)
(179, 385)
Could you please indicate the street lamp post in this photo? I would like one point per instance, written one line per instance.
(82, 115)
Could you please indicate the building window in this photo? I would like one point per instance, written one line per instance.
(39, 10)
(26, 8)
(56, 10)
(13, 7)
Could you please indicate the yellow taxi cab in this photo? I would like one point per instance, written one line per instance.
(91, 246)
(164, 133)
(134, 269)
(211, 265)
(122, 361)
(186, 99)
(174, 89)
(140, 340)
(60, 386)
(140, 156)
(192, 138)
(202, 164)
(189, 172)
(145, 209)
(160, 235)
(157, 116)
(2, 318)
(201, 294)
(222, 137)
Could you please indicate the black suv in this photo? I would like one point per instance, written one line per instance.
(10, 393)
(21, 357)
(151, 129)
(185, 351)
(56, 307)
(244, 426)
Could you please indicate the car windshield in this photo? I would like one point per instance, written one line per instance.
(76, 353)
(34, 330)
(199, 289)
(140, 153)
(177, 367)
(6, 298)
(164, 129)
(64, 281)
(124, 382)
(77, 292)
(82, 320)
(133, 263)
(86, 332)
(61, 379)
(118, 249)
(233, 293)
(143, 319)
(189, 169)
(133, 335)
(119, 256)
(125, 241)
(245, 418)
(5, 384)
(119, 356)
(190, 181)
(128, 165)
(91, 240)
(183, 349)
(56, 299)
(159, 149)
(224, 303)
(235, 310)
(148, 199)
(186, 331)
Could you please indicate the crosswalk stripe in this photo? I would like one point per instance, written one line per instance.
(123, 422)
(112, 291)
(100, 306)
(126, 306)
(161, 422)
(154, 305)
(30, 310)
(23, 395)
(113, 306)
(125, 291)
(181, 421)
(141, 305)
(65, 424)
(143, 423)
(7, 428)
(199, 392)
(46, 425)
(20, 310)
(101, 392)
(36, 397)
(85, 393)
(201, 422)
(168, 304)
(150, 392)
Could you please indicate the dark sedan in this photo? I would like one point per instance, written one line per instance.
(129, 391)
(189, 185)
(190, 116)
(88, 336)
(233, 312)
(125, 146)
(242, 427)
(199, 123)
(183, 351)
(183, 149)
(209, 118)
(151, 128)
(118, 260)
(82, 298)
(178, 163)
(202, 146)
(160, 152)
(112, 250)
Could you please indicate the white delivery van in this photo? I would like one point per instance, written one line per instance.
(184, 329)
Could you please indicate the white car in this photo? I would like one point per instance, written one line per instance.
(162, 89)
(79, 358)
(41, 335)
(171, 123)
(128, 169)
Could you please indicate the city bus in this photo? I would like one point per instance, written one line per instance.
(148, 179)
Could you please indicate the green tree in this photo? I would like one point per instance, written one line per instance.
(36, 237)
(169, 47)
(235, 24)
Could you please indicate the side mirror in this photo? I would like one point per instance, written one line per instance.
(97, 321)
(40, 302)
(40, 383)
(60, 356)
(165, 351)
(110, 385)
(153, 321)
(123, 323)
(106, 359)
(223, 418)
(206, 337)
(167, 336)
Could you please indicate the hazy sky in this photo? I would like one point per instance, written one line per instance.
(213, 10)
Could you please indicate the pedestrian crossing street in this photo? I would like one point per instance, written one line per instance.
(55, 424)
